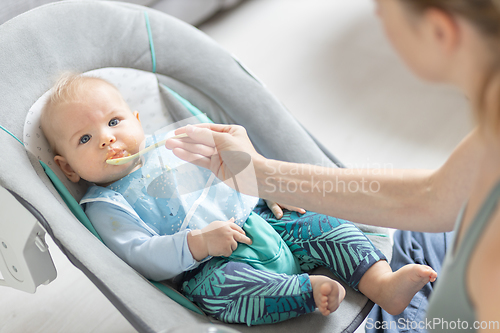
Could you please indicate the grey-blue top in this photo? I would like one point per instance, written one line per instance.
(450, 308)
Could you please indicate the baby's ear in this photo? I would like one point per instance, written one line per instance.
(66, 168)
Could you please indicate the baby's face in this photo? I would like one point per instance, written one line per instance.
(90, 132)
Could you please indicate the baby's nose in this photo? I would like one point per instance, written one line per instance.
(107, 141)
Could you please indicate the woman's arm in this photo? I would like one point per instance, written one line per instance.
(419, 200)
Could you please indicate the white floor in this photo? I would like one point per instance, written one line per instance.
(330, 64)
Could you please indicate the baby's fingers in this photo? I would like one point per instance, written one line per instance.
(275, 208)
(240, 235)
(240, 238)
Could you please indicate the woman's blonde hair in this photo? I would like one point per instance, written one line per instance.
(484, 15)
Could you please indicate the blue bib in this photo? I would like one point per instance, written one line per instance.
(170, 195)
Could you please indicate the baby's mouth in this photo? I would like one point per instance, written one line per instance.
(116, 153)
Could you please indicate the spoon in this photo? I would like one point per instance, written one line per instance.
(123, 160)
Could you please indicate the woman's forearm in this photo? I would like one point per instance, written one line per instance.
(400, 199)
(384, 197)
(419, 200)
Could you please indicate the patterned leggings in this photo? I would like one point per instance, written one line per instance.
(235, 292)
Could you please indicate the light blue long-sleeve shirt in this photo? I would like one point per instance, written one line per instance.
(157, 257)
(146, 216)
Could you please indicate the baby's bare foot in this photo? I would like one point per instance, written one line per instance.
(327, 293)
(400, 287)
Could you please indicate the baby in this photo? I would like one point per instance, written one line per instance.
(229, 254)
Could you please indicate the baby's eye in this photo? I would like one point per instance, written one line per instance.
(113, 122)
(84, 139)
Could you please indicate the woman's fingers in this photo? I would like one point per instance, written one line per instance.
(196, 159)
(201, 134)
(293, 208)
(226, 150)
(193, 148)
(224, 137)
(199, 140)
(221, 128)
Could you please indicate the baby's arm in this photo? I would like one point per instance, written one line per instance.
(219, 238)
(154, 256)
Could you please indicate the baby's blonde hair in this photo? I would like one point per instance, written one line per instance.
(69, 87)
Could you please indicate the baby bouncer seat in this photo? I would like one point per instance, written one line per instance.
(190, 72)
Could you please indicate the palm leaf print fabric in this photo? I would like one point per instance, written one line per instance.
(321, 240)
(235, 292)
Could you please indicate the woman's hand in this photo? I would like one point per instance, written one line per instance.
(226, 150)
(219, 238)
(277, 208)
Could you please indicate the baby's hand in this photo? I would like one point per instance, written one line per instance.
(277, 208)
(219, 238)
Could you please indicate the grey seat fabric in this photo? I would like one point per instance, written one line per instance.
(190, 11)
(85, 35)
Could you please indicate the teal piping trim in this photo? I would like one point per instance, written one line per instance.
(82, 217)
(77, 210)
(12, 135)
(374, 234)
(191, 108)
(66, 196)
(177, 297)
(69, 200)
(151, 44)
